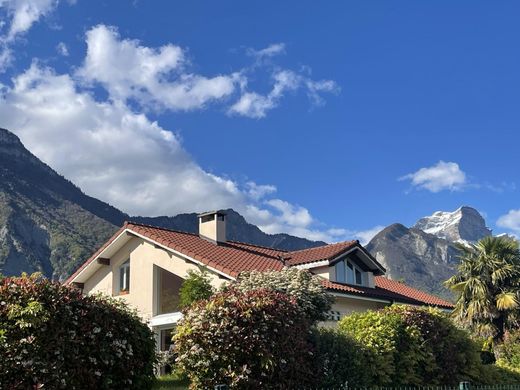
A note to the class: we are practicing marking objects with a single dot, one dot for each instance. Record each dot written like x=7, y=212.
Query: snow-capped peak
x=462, y=225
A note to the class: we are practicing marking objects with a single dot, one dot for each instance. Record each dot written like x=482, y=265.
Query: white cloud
x=62, y=49
x=131, y=162
x=128, y=160
x=20, y=16
x=109, y=151
x=441, y=176
x=254, y=105
x=258, y=192
x=510, y=221
x=270, y=51
x=364, y=236
x=154, y=77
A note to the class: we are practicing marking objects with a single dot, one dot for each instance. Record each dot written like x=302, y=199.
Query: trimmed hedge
x=245, y=339
x=52, y=336
x=339, y=360
x=417, y=346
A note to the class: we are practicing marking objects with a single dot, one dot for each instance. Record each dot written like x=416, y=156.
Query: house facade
x=146, y=265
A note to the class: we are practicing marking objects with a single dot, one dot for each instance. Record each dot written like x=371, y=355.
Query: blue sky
x=322, y=119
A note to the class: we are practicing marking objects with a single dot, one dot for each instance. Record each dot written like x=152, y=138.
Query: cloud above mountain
x=18, y=16
x=510, y=221
x=438, y=177
x=118, y=154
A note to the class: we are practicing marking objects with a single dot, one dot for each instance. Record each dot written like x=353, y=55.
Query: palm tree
x=488, y=286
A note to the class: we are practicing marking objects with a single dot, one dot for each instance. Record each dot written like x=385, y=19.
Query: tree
x=247, y=340
x=51, y=336
x=303, y=286
x=488, y=284
x=196, y=287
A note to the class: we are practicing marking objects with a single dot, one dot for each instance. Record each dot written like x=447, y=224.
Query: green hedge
x=339, y=360
x=417, y=346
x=53, y=337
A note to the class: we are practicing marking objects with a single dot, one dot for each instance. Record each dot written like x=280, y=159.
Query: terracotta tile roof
x=403, y=289
x=232, y=257
x=324, y=252
x=391, y=290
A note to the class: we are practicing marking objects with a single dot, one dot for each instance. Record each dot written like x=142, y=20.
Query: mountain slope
x=48, y=224
x=425, y=255
x=422, y=260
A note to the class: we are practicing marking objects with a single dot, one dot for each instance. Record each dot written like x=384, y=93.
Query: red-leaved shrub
x=53, y=337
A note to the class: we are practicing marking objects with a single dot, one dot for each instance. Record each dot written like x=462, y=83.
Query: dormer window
x=348, y=272
x=124, y=277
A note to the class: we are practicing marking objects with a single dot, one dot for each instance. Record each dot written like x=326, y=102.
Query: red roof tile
x=390, y=290
x=404, y=290
x=232, y=257
x=324, y=252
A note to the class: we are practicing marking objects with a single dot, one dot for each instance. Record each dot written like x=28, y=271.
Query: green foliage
x=413, y=346
x=170, y=382
x=53, y=337
x=339, y=360
x=396, y=353
x=245, y=339
x=301, y=285
x=196, y=287
x=508, y=351
x=488, y=287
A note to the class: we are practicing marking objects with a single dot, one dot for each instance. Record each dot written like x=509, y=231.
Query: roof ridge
x=197, y=235
x=159, y=227
x=350, y=242
x=259, y=246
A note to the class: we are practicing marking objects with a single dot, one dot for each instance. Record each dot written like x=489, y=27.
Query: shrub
x=414, y=346
x=452, y=354
x=396, y=353
x=339, y=359
x=304, y=287
x=508, y=352
x=245, y=339
x=195, y=287
x=52, y=336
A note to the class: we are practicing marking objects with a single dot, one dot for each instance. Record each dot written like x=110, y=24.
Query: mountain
x=425, y=255
x=48, y=224
x=462, y=225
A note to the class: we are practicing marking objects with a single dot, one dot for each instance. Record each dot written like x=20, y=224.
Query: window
x=207, y=218
x=124, y=277
x=359, y=279
x=340, y=272
x=348, y=272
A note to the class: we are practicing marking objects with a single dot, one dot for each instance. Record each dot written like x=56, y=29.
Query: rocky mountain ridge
x=426, y=254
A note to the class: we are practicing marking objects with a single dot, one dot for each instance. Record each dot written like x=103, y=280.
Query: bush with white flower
x=53, y=337
x=247, y=340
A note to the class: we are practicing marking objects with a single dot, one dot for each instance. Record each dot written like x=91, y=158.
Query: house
x=146, y=265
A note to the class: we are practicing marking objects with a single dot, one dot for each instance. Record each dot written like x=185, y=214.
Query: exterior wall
x=144, y=257
x=346, y=305
x=324, y=271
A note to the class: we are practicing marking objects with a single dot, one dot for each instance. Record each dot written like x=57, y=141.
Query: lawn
x=170, y=382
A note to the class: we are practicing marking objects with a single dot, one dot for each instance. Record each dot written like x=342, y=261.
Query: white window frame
x=346, y=277
x=124, y=277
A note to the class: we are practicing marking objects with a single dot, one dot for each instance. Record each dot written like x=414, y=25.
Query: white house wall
x=143, y=257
